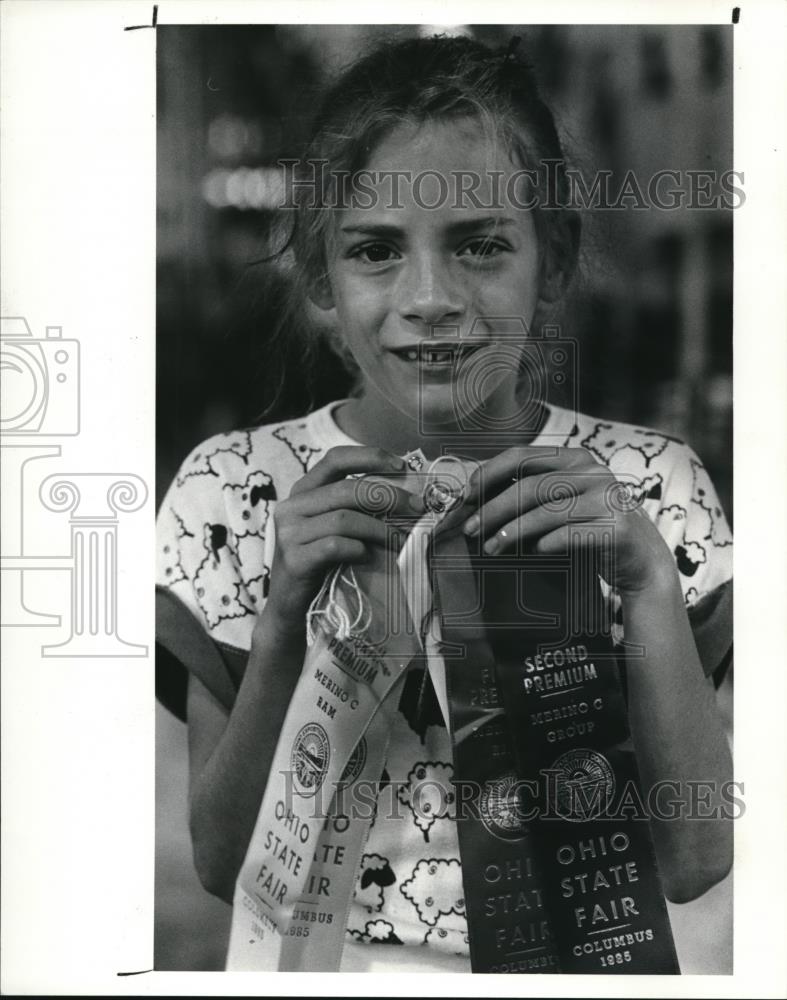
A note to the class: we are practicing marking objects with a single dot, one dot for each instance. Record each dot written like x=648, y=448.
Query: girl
x=424, y=235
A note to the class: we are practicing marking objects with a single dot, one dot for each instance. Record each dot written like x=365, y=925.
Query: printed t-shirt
x=214, y=554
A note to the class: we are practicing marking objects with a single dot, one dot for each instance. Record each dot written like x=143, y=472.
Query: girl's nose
x=429, y=295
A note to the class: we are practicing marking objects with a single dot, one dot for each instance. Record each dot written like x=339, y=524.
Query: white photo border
x=78, y=252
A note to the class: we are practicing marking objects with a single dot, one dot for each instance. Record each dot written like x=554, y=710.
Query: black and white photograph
x=374, y=243
x=368, y=535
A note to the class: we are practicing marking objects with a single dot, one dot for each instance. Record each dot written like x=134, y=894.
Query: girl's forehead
x=442, y=146
x=434, y=173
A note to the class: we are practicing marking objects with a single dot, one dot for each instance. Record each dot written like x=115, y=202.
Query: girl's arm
x=679, y=737
x=230, y=754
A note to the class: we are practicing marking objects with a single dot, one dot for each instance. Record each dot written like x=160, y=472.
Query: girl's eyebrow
x=458, y=228
x=473, y=225
x=374, y=229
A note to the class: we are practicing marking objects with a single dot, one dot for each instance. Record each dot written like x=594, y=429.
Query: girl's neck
x=373, y=420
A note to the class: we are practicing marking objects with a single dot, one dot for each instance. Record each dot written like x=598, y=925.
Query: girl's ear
x=561, y=254
x=321, y=293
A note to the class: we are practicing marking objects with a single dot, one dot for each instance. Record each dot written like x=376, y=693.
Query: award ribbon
x=508, y=924
x=295, y=886
x=508, y=929
x=555, y=671
x=300, y=865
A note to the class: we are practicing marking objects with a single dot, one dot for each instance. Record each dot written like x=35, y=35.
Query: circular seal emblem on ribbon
x=500, y=809
x=355, y=764
x=309, y=759
x=584, y=784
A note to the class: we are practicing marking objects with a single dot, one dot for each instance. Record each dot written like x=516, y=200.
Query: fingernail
x=492, y=545
x=472, y=524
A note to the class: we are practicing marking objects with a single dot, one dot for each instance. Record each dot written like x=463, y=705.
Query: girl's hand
x=329, y=519
x=545, y=489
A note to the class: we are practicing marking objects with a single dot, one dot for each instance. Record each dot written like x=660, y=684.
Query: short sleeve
x=677, y=494
x=692, y=522
x=210, y=575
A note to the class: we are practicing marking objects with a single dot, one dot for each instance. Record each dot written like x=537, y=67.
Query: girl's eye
x=483, y=247
x=375, y=253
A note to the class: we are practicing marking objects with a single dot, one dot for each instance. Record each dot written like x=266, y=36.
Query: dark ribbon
x=554, y=881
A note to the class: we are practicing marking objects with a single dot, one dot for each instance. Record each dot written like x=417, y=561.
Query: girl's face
x=433, y=302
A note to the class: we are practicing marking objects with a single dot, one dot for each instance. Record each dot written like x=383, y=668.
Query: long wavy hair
x=410, y=82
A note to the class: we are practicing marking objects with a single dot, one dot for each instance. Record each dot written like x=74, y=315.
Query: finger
x=374, y=496
x=347, y=524
x=528, y=531
x=345, y=460
x=524, y=461
x=334, y=549
x=553, y=490
x=557, y=541
x=521, y=531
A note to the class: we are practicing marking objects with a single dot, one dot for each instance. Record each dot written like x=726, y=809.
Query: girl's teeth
x=412, y=355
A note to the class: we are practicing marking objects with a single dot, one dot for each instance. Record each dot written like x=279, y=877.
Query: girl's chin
x=439, y=407
x=435, y=407
x=438, y=415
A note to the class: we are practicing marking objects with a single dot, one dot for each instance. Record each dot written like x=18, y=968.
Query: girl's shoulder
x=661, y=468
x=215, y=544
x=669, y=480
x=270, y=457
x=619, y=444
x=664, y=473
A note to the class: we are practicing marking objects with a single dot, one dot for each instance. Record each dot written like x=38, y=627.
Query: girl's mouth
x=431, y=356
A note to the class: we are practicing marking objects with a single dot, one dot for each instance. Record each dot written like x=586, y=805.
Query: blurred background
x=651, y=310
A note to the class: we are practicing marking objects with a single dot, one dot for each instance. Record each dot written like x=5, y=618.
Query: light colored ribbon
x=294, y=889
